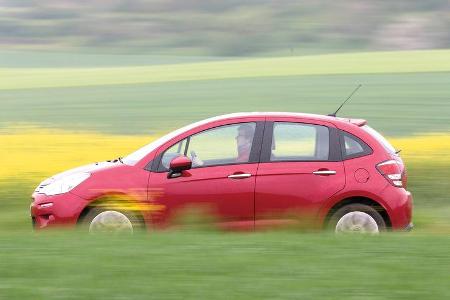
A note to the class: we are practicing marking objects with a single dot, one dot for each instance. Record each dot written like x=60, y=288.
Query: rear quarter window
x=353, y=147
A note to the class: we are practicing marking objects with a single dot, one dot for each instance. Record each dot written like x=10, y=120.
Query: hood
x=91, y=168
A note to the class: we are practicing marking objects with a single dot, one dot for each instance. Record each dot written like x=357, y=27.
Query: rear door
x=300, y=169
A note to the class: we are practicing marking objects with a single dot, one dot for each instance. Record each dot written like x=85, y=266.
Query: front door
x=221, y=182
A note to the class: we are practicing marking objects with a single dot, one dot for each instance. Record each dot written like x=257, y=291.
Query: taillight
x=393, y=171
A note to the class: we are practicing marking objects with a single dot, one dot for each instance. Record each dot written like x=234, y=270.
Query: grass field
x=208, y=265
x=157, y=98
x=58, y=114
x=331, y=64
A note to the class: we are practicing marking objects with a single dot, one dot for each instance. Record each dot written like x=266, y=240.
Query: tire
x=104, y=220
x=357, y=218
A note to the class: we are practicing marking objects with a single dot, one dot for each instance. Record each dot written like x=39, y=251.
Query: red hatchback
x=248, y=171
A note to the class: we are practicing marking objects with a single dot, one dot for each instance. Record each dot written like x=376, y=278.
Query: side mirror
x=178, y=165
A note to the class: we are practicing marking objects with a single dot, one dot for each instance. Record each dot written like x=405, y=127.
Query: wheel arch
x=359, y=200
x=118, y=201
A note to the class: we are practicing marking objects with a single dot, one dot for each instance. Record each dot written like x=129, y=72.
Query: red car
x=247, y=171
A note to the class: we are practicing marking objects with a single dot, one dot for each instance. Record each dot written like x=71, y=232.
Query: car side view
x=248, y=171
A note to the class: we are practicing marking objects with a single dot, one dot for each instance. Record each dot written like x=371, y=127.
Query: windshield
x=132, y=158
x=380, y=138
x=139, y=154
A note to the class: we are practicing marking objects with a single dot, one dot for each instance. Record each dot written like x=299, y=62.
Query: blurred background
x=84, y=81
x=224, y=28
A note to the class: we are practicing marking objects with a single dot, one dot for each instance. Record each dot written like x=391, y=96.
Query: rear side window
x=353, y=146
x=299, y=142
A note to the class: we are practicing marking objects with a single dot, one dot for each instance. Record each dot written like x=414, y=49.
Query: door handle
x=324, y=172
x=239, y=176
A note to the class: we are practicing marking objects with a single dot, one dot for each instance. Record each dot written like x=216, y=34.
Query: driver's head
x=245, y=135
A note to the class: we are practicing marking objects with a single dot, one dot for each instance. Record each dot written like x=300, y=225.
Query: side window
x=300, y=142
x=174, y=151
x=228, y=144
x=354, y=147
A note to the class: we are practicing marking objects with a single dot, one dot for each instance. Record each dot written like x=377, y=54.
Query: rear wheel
x=357, y=218
x=111, y=221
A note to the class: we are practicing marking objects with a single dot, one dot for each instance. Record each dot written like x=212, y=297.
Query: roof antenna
x=354, y=91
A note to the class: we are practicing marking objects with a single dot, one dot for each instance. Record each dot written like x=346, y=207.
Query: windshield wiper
x=119, y=159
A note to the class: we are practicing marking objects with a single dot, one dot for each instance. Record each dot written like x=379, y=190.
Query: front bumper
x=56, y=211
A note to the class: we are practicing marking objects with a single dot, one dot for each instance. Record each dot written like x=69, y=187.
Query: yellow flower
x=34, y=153
x=431, y=148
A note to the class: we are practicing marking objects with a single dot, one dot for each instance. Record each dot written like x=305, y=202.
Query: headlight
x=65, y=184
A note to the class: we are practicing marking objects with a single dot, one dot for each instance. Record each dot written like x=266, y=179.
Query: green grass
x=396, y=104
x=403, y=92
x=210, y=265
x=331, y=64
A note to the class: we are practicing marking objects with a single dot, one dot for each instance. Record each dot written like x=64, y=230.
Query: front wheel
x=357, y=218
x=111, y=221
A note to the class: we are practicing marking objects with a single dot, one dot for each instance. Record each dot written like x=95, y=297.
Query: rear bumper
x=400, y=206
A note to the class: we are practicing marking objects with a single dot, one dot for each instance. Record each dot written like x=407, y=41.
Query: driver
x=244, y=141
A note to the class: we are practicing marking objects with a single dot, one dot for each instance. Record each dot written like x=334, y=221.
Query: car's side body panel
x=290, y=193
x=206, y=193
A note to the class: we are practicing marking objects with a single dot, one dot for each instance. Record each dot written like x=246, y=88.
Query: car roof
x=358, y=122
